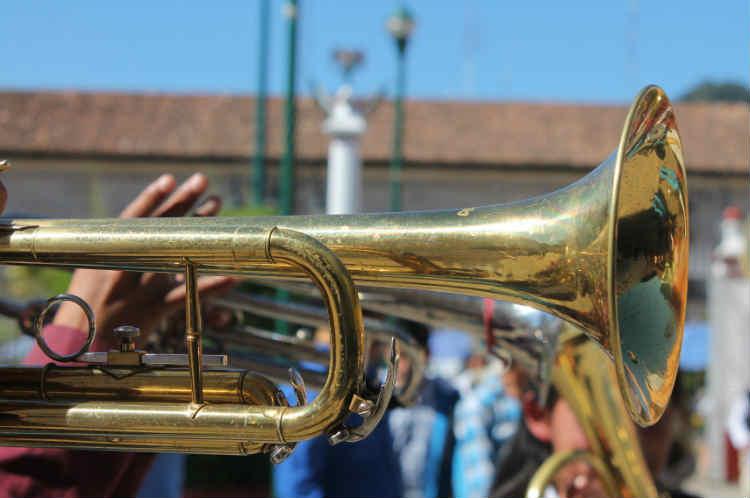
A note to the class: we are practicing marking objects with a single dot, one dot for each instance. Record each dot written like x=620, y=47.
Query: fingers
x=217, y=317
x=207, y=286
x=183, y=199
x=149, y=198
x=210, y=207
x=151, y=203
x=216, y=285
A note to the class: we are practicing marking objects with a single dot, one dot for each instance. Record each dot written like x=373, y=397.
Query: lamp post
x=286, y=169
x=259, y=159
x=399, y=25
x=286, y=173
x=347, y=61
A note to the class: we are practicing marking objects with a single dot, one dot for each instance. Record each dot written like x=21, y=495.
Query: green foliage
x=8, y=330
x=24, y=282
x=709, y=91
x=249, y=211
x=29, y=282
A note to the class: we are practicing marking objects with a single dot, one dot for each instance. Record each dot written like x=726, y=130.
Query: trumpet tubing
x=58, y=383
x=608, y=253
x=153, y=444
x=376, y=330
x=156, y=409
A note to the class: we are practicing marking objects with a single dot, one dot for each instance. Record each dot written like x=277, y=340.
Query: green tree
x=711, y=91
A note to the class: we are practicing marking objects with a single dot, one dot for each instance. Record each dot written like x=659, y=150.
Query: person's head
x=516, y=382
x=322, y=336
x=555, y=423
x=420, y=333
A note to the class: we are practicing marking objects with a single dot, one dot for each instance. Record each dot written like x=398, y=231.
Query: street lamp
x=259, y=159
x=399, y=25
x=348, y=60
x=286, y=169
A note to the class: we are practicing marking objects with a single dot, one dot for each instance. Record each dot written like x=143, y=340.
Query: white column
x=728, y=375
x=345, y=125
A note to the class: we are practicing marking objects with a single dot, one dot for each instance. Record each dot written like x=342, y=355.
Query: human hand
x=140, y=299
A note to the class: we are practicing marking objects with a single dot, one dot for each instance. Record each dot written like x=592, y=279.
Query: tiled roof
x=715, y=135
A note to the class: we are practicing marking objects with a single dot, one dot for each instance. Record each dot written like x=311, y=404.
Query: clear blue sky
x=473, y=49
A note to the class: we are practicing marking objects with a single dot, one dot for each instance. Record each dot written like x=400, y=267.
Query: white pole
x=345, y=125
x=728, y=375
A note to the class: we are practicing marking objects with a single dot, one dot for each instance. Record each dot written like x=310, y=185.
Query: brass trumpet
x=513, y=333
x=608, y=253
x=269, y=343
x=128, y=399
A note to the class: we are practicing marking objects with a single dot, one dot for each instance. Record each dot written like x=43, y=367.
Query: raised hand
x=141, y=299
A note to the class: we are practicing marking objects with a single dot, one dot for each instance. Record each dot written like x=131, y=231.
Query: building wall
x=81, y=188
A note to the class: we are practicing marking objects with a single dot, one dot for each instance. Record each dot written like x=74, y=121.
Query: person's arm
x=116, y=298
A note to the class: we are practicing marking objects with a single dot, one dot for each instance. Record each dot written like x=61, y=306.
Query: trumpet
x=128, y=399
x=553, y=354
x=513, y=333
x=377, y=331
x=608, y=253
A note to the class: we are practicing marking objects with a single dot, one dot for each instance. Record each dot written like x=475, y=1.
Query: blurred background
x=406, y=106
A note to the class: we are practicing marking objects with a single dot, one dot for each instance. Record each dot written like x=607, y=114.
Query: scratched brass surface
x=57, y=383
x=608, y=253
x=149, y=444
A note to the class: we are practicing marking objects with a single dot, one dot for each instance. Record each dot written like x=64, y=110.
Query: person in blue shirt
x=409, y=454
x=315, y=469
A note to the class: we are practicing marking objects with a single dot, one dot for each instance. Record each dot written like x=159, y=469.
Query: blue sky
x=600, y=51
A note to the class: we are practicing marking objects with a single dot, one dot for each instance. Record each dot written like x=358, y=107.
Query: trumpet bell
x=647, y=273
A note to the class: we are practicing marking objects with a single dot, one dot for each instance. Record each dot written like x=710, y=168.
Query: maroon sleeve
x=50, y=472
x=63, y=340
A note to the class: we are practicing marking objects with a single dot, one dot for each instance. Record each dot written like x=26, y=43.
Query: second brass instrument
x=583, y=379
x=377, y=331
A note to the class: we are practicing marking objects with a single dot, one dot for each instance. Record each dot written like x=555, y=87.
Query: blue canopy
x=695, y=346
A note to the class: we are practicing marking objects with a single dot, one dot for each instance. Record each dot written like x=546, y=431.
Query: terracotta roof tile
x=221, y=126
